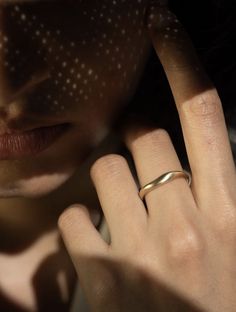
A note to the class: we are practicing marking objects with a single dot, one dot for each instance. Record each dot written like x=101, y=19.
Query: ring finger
x=154, y=155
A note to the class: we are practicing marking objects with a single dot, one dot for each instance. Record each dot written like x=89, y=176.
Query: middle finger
x=199, y=106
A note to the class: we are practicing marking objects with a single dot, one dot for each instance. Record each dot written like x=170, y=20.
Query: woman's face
x=75, y=62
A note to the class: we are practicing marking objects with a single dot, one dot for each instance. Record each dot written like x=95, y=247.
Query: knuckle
x=185, y=247
x=134, y=246
x=161, y=135
x=107, y=165
x=205, y=107
x=152, y=138
x=225, y=227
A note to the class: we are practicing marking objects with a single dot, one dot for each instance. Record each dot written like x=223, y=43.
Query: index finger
x=199, y=106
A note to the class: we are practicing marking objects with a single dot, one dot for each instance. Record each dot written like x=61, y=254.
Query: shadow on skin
x=121, y=287
x=45, y=284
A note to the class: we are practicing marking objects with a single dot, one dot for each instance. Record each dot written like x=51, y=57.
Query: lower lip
x=15, y=146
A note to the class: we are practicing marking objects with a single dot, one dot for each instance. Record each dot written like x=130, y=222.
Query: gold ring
x=163, y=179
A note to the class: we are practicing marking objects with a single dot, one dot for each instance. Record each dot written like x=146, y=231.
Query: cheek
x=81, y=70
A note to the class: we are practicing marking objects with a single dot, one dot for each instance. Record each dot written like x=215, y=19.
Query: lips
x=28, y=143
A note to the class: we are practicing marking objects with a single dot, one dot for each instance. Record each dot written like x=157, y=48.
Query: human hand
x=177, y=253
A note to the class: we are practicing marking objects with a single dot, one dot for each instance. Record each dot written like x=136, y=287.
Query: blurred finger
x=80, y=236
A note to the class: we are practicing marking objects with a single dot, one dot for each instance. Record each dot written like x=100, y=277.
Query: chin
x=35, y=187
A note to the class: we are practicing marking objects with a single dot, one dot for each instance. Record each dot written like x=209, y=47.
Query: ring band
x=163, y=179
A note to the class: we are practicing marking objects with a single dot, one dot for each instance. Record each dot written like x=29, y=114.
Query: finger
x=197, y=101
x=154, y=155
x=80, y=235
x=118, y=194
x=86, y=248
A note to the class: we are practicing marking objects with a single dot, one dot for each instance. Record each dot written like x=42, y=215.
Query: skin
x=66, y=80
x=177, y=252
x=76, y=63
